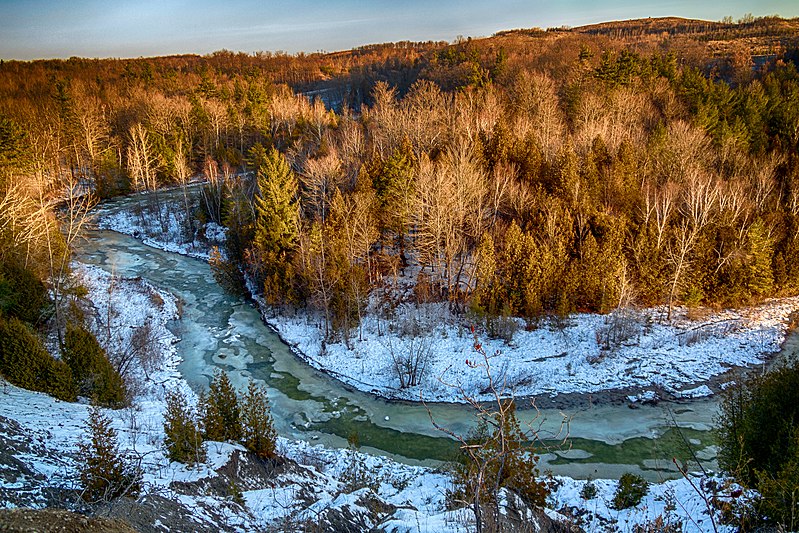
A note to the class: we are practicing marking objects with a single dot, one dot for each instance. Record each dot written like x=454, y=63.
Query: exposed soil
x=58, y=520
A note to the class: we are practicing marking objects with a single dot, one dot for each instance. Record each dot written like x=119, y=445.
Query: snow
x=549, y=359
x=699, y=392
x=677, y=502
x=165, y=231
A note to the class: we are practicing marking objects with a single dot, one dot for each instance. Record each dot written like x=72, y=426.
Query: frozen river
x=218, y=330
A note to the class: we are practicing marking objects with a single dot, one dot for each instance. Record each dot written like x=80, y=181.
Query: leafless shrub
x=620, y=326
x=411, y=350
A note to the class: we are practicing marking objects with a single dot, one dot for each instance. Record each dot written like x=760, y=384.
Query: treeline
x=633, y=181
x=522, y=176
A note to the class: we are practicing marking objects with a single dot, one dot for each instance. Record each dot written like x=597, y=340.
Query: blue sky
x=121, y=28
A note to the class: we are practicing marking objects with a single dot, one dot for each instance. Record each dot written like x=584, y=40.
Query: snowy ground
x=335, y=479
x=584, y=353
x=549, y=359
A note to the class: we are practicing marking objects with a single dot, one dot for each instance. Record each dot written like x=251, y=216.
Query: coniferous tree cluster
x=25, y=362
x=758, y=437
x=223, y=416
x=93, y=374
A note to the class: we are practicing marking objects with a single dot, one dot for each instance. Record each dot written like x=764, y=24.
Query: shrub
x=779, y=494
x=499, y=453
x=758, y=436
x=183, y=439
x=92, y=372
x=105, y=473
x=589, y=491
x=763, y=406
x=226, y=274
x=258, y=432
x=25, y=363
x=631, y=490
x=22, y=294
x=220, y=410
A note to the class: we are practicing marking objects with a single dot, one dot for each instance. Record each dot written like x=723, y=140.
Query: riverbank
x=632, y=356
x=44, y=433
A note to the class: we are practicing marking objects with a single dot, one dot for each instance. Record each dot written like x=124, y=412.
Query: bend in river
x=220, y=331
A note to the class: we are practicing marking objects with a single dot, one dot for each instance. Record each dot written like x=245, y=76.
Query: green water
x=220, y=331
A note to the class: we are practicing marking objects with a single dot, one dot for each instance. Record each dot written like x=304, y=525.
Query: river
x=218, y=330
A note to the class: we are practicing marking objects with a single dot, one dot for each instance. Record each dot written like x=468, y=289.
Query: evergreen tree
x=105, y=472
x=758, y=436
x=485, y=294
x=92, y=372
x=183, y=438
x=25, y=363
x=259, y=435
x=394, y=185
x=761, y=278
x=221, y=415
x=276, y=226
x=22, y=294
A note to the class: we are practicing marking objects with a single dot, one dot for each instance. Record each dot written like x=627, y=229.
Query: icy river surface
x=218, y=330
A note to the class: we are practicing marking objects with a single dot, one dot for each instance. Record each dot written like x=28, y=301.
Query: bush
x=589, y=490
x=183, y=439
x=500, y=453
x=779, y=494
x=758, y=436
x=259, y=435
x=226, y=274
x=22, y=294
x=757, y=424
x=92, y=372
x=105, y=473
x=25, y=363
x=631, y=490
x=220, y=410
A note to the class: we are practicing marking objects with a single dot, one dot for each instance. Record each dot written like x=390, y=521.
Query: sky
x=35, y=29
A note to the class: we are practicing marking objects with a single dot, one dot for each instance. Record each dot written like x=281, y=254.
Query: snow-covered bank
x=584, y=353
x=569, y=357
x=330, y=480
x=169, y=231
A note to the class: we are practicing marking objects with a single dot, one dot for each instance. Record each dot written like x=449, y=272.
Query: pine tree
x=259, y=434
x=221, y=415
x=760, y=276
x=183, y=439
x=92, y=372
x=394, y=186
x=105, y=472
x=25, y=363
x=276, y=226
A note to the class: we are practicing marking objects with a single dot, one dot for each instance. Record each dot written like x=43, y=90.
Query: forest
x=534, y=173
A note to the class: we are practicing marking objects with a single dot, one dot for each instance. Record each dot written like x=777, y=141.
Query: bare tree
x=450, y=215
x=501, y=454
x=320, y=178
